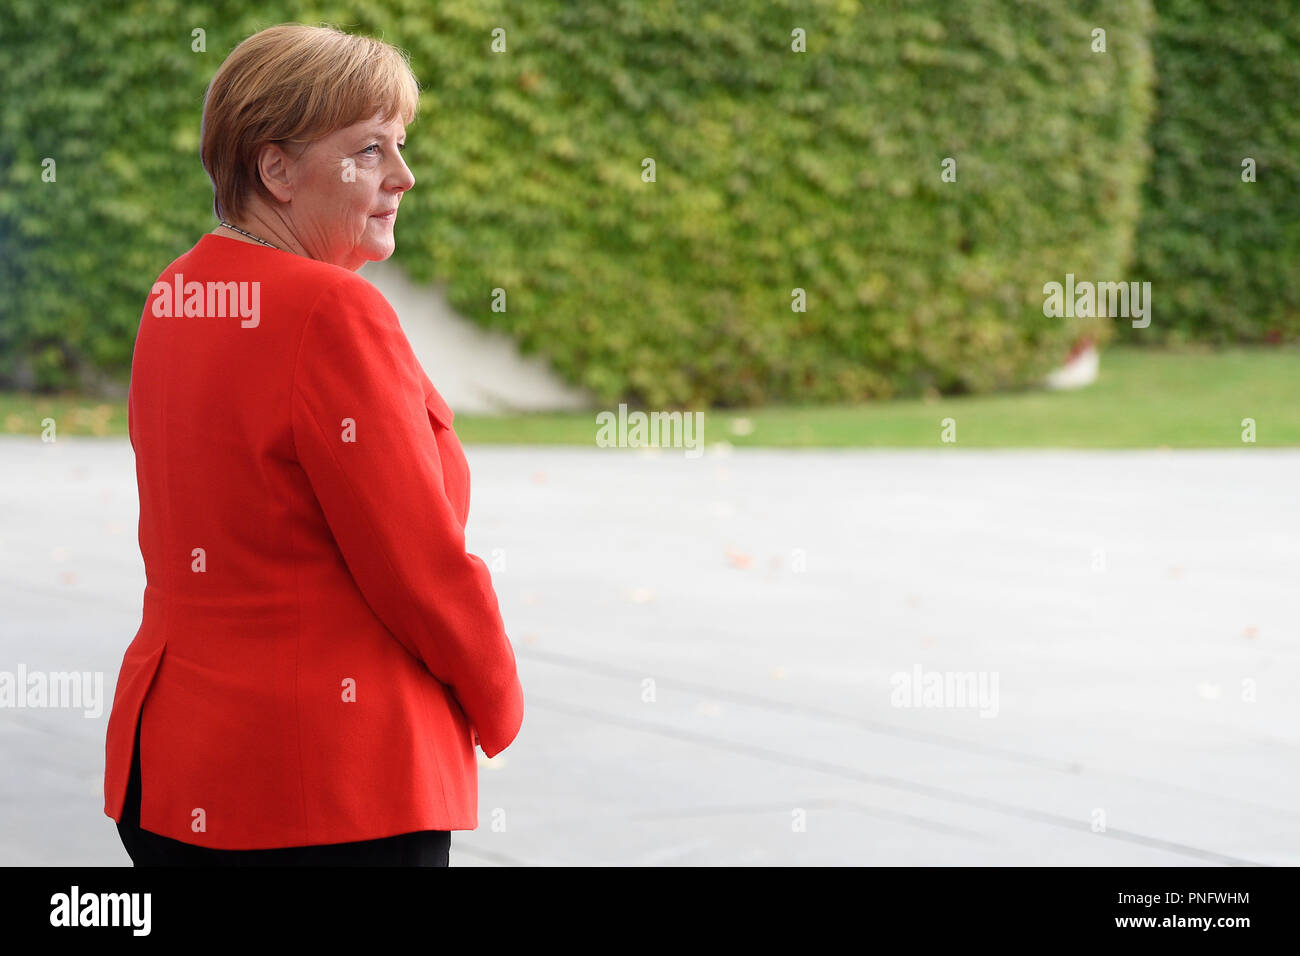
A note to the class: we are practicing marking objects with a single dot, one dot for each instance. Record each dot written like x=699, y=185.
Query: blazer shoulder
x=321, y=276
x=343, y=296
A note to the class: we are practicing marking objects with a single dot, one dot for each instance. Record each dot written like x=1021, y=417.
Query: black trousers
x=421, y=848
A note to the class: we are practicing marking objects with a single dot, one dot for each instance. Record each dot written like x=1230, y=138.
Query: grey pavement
x=709, y=647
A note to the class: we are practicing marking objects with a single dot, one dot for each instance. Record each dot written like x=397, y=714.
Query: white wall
x=475, y=370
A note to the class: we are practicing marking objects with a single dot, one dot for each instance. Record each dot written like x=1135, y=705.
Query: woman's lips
x=386, y=216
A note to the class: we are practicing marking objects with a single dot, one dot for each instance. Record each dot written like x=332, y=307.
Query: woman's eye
x=370, y=147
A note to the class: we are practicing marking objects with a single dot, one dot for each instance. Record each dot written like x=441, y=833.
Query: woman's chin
x=378, y=249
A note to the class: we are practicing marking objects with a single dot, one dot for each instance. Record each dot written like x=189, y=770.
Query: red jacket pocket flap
x=438, y=408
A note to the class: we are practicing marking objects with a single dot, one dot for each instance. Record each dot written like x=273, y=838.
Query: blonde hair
x=294, y=82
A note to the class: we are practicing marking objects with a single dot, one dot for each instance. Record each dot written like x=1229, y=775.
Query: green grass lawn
x=1143, y=399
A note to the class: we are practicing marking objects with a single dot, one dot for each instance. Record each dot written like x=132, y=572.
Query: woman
x=318, y=655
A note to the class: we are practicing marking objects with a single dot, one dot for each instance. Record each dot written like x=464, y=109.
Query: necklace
x=249, y=235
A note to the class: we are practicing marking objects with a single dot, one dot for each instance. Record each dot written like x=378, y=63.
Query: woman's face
x=344, y=189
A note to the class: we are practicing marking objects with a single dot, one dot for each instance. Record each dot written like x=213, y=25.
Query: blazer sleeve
x=364, y=438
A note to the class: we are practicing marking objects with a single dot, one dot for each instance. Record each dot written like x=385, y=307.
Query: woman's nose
x=405, y=179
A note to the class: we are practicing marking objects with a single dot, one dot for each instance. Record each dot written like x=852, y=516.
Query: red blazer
x=318, y=653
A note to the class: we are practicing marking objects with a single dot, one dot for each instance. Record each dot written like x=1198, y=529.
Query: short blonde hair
x=294, y=82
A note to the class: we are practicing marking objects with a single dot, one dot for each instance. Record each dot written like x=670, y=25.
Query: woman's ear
x=274, y=166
